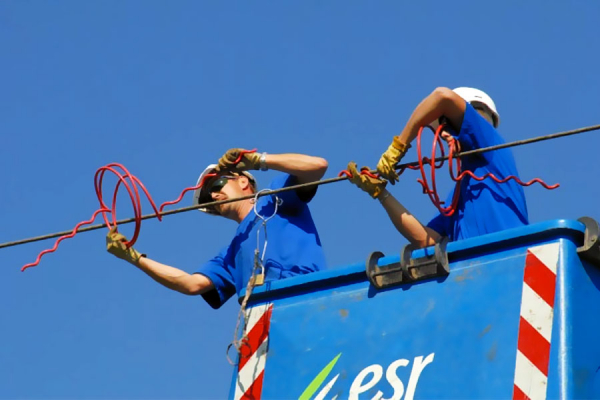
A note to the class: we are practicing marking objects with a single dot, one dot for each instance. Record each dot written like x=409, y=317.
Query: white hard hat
x=210, y=169
x=476, y=96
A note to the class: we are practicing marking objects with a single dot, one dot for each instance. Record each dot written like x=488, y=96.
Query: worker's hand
x=247, y=161
x=373, y=186
x=115, y=245
x=389, y=159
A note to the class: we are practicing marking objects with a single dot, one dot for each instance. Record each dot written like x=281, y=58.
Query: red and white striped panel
x=535, y=326
x=253, y=356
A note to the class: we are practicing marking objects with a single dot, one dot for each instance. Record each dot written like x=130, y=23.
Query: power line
x=303, y=185
x=512, y=144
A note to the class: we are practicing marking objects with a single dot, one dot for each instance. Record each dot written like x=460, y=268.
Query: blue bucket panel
x=333, y=334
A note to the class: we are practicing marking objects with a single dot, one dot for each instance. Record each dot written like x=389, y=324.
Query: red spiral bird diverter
x=452, y=157
x=133, y=185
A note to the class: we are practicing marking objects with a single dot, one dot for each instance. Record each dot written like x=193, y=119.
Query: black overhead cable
x=302, y=185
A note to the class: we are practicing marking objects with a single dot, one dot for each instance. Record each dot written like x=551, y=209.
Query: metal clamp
x=590, y=250
x=408, y=269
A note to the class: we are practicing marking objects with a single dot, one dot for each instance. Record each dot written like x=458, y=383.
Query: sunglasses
x=219, y=183
x=213, y=187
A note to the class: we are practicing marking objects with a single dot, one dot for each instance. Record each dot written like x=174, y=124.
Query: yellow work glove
x=389, y=159
x=248, y=161
x=373, y=186
x=115, y=245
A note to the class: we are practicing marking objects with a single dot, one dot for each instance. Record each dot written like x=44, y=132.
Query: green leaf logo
x=319, y=379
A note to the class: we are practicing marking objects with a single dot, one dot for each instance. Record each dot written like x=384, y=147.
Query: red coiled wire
x=432, y=191
x=131, y=183
x=363, y=171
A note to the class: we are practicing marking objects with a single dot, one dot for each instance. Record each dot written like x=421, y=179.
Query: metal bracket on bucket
x=408, y=269
x=590, y=250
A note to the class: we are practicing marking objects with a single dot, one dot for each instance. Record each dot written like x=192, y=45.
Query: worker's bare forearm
x=305, y=168
x=410, y=227
x=174, y=278
x=441, y=102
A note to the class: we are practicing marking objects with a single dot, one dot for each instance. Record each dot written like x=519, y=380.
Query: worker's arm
x=174, y=278
x=441, y=102
x=167, y=276
x=410, y=227
x=304, y=168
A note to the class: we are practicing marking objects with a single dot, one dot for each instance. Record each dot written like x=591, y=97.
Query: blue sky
x=166, y=87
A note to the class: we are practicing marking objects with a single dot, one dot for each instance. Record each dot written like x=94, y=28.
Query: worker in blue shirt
x=293, y=247
x=483, y=207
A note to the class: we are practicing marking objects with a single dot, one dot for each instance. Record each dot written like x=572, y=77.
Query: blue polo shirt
x=293, y=248
x=486, y=206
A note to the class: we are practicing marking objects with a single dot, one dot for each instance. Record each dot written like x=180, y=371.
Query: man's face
x=221, y=187
x=447, y=136
x=483, y=111
x=225, y=186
